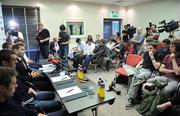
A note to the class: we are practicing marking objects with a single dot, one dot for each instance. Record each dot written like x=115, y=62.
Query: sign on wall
x=2, y=30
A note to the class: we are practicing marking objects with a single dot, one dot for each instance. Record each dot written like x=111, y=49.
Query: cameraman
x=153, y=32
x=14, y=33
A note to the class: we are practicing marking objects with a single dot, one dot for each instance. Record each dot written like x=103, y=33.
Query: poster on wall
x=76, y=28
x=2, y=30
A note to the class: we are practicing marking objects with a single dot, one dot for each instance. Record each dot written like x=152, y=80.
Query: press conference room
x=89, y=58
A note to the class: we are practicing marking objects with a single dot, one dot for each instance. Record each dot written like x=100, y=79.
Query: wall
x=54, y=13
x=156, y=11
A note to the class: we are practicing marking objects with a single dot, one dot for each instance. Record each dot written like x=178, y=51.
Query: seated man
x=117, y=50
x=8, y=86
x=110, y=43
x=88, y=52
x=24, y=94
x=30, y=63
x=78, y=53
x=54, y=46
x=99, y=52
x=170, y=69
x=7, y=45
x=26, y=74
x=165, y=50
x=149, y=63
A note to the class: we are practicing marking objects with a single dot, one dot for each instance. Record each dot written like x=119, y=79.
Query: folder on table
x=69, y=91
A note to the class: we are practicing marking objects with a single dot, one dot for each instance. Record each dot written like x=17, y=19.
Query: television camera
x=168, y=27
x=130, y=30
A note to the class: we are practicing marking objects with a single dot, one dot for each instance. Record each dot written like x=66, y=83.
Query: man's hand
x=172, y=56
x=40, y=114
x=32, y=91
x=35, y=74
x=151, y=55
x=41, y=41
x=29, y=62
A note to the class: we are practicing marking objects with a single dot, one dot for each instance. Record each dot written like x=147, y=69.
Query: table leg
x=95, y=111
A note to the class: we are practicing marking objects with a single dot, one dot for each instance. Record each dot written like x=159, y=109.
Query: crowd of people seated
x=32, y=92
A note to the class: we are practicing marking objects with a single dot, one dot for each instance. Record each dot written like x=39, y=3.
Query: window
x=28, y=19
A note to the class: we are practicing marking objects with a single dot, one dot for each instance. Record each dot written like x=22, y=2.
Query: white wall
x=53, y=13
x=156, y=11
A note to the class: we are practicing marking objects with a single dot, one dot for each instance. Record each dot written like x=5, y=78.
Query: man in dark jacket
x=8, y=86
x=26, y=74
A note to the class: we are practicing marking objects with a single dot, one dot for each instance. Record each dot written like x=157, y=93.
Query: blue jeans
x=45, y=100
x=64, y=50
x=44, y=49
x=87, y=60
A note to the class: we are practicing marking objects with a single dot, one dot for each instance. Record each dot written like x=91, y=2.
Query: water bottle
x=99, y=81
x=102, y=90
x=80, y=73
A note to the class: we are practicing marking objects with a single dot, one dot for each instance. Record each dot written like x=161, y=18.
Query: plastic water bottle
x=102, y=89
x=99, y=81
x=80, y=73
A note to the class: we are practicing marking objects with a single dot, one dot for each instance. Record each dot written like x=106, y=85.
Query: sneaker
x=129, y=105
x=160, y=109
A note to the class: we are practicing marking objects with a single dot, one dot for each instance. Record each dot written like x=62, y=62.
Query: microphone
x=56, y=61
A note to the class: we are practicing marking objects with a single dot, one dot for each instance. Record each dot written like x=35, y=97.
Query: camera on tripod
x=168, y=27
x=12, y=28
x=130, y=30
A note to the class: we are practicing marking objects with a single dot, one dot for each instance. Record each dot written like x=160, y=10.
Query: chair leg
x=95, y=68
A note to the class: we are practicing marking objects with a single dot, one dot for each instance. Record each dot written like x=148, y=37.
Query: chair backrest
x=133, y=59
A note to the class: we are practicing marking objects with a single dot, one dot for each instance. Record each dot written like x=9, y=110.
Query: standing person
x=14, y=34
x=138, y=40
x=64, y=40
x=43, y=39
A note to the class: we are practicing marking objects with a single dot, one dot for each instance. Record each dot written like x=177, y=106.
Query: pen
x=69, y=90
x=64, y=78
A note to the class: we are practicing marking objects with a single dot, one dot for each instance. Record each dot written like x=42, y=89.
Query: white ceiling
x=115, y=2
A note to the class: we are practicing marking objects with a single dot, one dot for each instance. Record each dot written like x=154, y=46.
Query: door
x=111, y=27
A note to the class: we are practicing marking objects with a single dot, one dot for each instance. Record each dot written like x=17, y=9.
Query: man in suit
x=8, y=86
x=26, y=74
x=27, y=97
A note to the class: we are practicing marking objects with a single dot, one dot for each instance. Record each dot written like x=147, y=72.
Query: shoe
x=84, y=71
x=159, y=108
x=129, y=105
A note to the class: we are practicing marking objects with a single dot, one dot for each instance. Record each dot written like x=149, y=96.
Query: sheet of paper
x=130, y=70
x=48, y=66
x=47, y=70
x=60, y=78
x=69, y=91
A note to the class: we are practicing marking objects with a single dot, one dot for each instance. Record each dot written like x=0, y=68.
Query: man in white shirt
x=88, y=52
x=78, y=53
